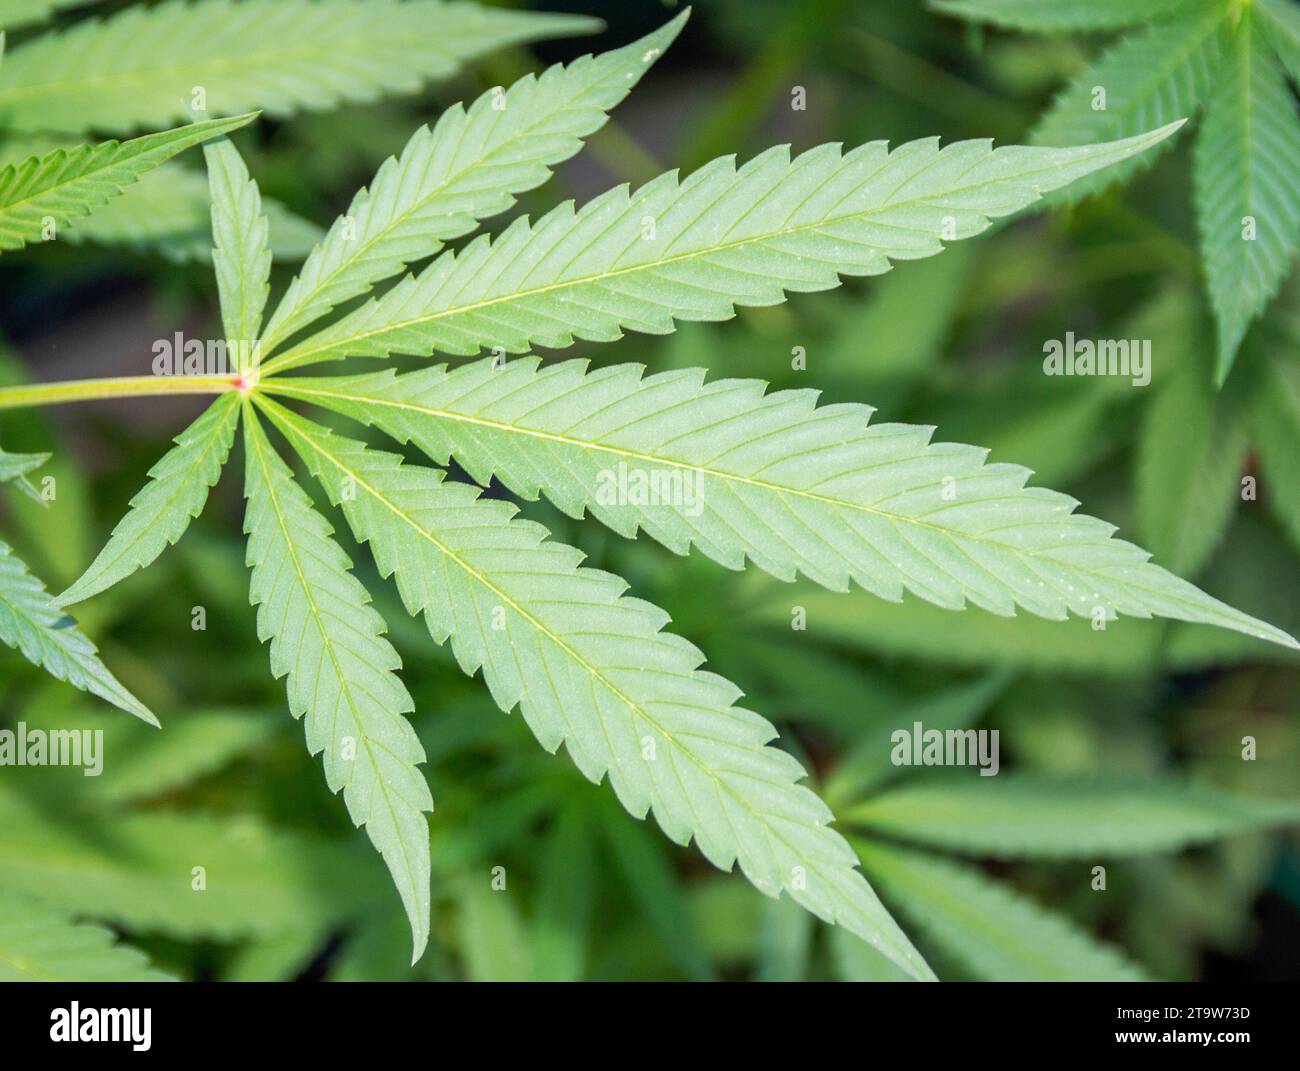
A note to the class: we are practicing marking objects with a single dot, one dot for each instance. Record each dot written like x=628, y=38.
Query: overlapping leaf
x=1279, y=20
x=143, y=66
x=694, y=249
x=468, y=167
x=1026, y=816
x=47, y=637
x=39, y=943
x=13, y=466
x=774, y=479
x=167, y=211
x=1189, y=462
x=15, y=13
x=328, y=641
x=261, y=881
x=995, y=933
x=592, y=669
x=1247, y=188
x=1160, y=73
x=64, y=185
x=1056, y=15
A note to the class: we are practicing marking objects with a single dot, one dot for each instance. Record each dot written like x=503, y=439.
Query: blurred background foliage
x=1093, y=724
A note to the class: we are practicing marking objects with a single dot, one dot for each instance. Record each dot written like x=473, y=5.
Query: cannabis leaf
x=469, y=167
x=39, y=943
x=242, y=255
x=1059, y=14
x=1276, y=412
x=1247, y=173
x=15, y=13
x=1280, y=22
x=66, y=184
x=1014, y=816
x=15, y=467
x=143, y=66
x=47, y=637
x=773, y=478
x=329, y=643
x=992, y=931
x=272, y=881
x=695, y=249
x=162, y=511
x=1247, y=159
x=593, y=670
x=1190, y=455
x=167, y=211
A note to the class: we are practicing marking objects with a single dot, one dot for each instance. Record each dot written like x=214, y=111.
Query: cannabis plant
x=146, y=67
x=721, y=466
x=1230, y=58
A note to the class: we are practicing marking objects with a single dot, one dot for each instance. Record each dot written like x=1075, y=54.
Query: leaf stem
x=84, y=390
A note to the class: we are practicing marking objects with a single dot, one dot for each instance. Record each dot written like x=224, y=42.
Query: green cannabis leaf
x=1010, y=816
x=15, y=13
x=469, y=167
x=694, y=249
x=142, y=66
x=44, y=635
x=66, y=184
x=752, y=476
x=39, y=943
x=341, y=672
x=793, y=488
x=594, y=670
x=160, y=513
x=1227, y=57
x=991, y=930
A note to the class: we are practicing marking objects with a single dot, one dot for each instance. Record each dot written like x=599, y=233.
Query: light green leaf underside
x=17, y=466
x=161, y=512
x=993, y=931
x=1013, y=816
x=592, y=669
x=1160, y=73
x=64, y=185
x=776, y=480
x=695, y=249
x=1279, y=20
x=857, y=961
x=1247, y=171
x=141, y=66
x=1191, y=453
x=241, y=254
x=1044, y=16
x=469, y=167
x=15, y=13
x=47, y=637
x=328, y=642
x=39, y=943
